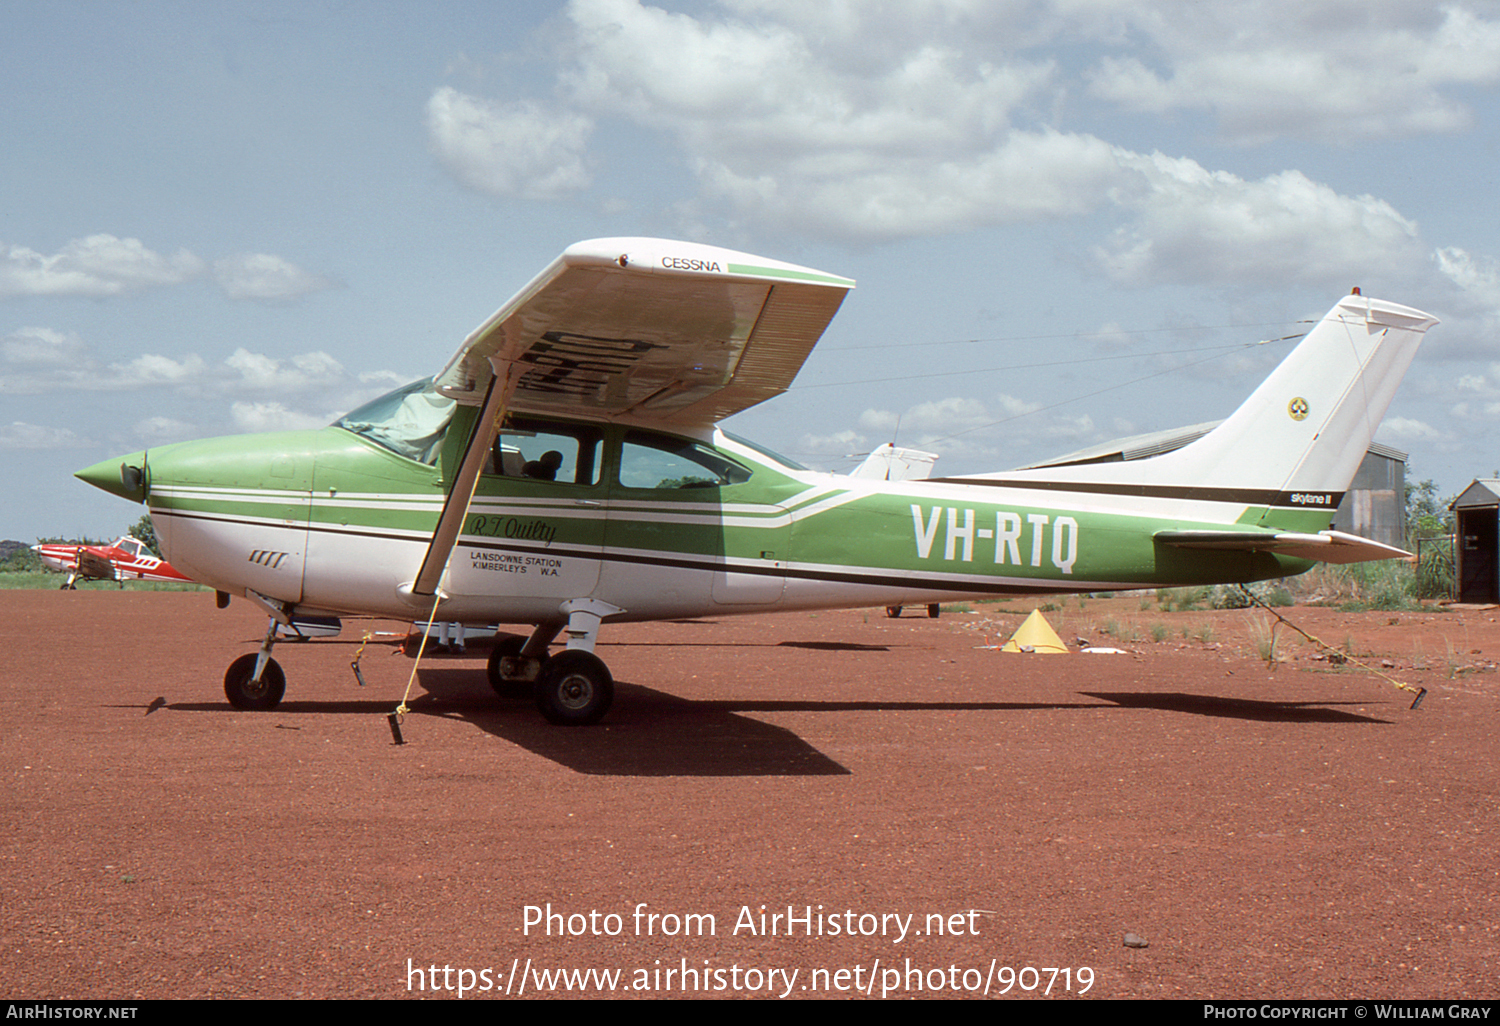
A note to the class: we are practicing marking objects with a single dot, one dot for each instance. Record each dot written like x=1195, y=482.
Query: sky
x=1069, y=220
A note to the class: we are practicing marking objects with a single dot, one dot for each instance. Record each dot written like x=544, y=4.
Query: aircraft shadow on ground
x=1236, y=708
x=653, y=733
x=647, y=733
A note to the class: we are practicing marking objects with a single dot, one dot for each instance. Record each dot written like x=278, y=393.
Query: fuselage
x=655, y=525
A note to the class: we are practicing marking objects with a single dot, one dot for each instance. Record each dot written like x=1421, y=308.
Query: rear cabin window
x=664, y=463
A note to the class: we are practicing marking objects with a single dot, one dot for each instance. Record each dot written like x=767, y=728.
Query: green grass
x=41, y=580
x=1182, y=600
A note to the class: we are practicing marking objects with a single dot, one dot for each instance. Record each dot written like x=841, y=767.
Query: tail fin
x=1294, y=445
x=1308, y=425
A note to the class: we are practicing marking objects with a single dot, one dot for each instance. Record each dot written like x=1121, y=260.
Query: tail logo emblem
x=1297, y=408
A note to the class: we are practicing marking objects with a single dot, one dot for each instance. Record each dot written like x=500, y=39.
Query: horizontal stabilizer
x=1323, y=547
x=888, y=463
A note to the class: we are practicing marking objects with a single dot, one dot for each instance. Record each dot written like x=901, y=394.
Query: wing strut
x=461, y=494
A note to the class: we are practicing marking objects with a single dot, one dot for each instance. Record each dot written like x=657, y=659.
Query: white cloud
x=51, y=361
x=839, y=445
x=1010, y=406
x=161, y=430
x=1332, y=72
x=519, y=148
x=954, y=413
x=306, y=371
x=40, y=347
x=152, y=369
x=1214, y=227
x=1407, y=429
x=811, y=131
x=273, y=416
x=765, y=88
x=961, y=429
x=19, y=435
x=874, y=122
x=1478, y=277
x=104, y=265
x=99, y=265
x=1025, y=176
x=266, y=278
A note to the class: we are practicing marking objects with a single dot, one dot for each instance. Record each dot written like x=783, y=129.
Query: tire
x=933, y=610
x=893, y=611
x=515, y=685
x=241, y=693
x=574, y=689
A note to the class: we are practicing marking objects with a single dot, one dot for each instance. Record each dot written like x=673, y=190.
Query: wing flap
x=1323, y=547
x=671, y=332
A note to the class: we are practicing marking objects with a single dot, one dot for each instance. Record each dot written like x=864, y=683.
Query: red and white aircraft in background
x=124, y=559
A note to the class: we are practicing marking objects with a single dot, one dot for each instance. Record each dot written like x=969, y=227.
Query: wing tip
x=669, y=256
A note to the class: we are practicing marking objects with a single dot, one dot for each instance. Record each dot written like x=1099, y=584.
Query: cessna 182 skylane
x=564, y=470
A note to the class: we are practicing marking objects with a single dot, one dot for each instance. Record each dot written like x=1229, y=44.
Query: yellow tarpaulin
x=1035, y=635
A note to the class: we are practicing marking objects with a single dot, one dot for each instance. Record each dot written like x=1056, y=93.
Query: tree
x=1428, y=518
x=1427, y=515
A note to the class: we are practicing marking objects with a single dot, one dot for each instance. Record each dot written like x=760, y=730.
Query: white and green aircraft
x=564, y=471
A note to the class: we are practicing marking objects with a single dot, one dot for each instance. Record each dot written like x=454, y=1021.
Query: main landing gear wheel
x=243, y=693
x=507, y=671
x=574, y=688
x=933, y=609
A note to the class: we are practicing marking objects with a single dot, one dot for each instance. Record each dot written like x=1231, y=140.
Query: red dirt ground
x=1296, y=833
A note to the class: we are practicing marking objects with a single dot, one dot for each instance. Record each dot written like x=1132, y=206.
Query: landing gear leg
x=574, y=687
x=516, y=662
x=255, y=681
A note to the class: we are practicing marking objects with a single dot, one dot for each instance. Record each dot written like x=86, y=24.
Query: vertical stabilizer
x=1299, y=438
x=1308, y=425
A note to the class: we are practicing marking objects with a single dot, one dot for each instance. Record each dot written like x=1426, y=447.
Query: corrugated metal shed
x=1374, y=507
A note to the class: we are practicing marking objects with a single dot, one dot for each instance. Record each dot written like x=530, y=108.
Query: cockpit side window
x=540, y=451
x=663, y=462
x=410, y=422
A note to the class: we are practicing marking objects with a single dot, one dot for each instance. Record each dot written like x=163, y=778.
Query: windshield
x=410, y=422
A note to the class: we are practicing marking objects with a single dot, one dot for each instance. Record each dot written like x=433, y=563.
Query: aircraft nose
x=124, y=476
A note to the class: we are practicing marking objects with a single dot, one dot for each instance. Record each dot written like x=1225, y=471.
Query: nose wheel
x=245, y=691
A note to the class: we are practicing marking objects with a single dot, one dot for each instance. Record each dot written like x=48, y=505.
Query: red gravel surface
x=1286, y=833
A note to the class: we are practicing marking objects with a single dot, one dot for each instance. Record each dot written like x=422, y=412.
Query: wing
x=675, y=333
x=1323, y=547
x=94, y=567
